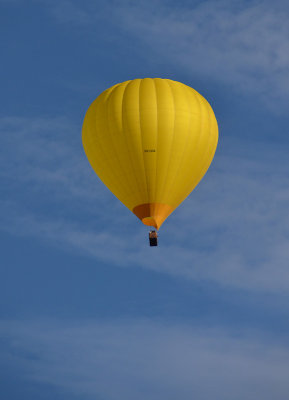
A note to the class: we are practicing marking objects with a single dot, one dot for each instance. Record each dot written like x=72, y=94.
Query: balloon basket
x=153, y=238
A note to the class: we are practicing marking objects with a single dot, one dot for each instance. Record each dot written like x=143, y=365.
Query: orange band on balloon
x=153, y=214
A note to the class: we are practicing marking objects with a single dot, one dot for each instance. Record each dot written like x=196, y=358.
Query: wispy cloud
x=243, y=46
x=147, y=360
x=233, y=230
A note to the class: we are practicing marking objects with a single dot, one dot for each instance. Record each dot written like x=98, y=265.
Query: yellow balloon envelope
x=150, y=141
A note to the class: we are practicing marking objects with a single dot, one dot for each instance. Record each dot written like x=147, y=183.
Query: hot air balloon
x=150, y=141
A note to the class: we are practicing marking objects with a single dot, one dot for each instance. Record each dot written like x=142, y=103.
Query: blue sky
x=88, y=310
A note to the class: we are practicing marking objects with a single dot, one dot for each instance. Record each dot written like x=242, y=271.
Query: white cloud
x=147, y=360
x=243, y=46
x=232, y=231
